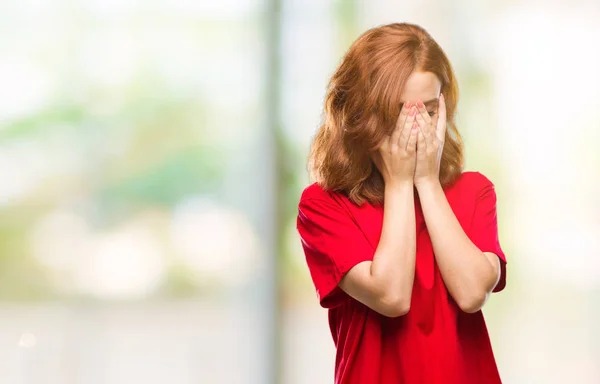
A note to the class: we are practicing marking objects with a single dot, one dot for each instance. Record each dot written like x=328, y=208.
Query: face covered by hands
x=430, y=142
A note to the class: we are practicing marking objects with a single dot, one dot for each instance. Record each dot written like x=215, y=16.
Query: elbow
x=394, y=306
x=472, y=303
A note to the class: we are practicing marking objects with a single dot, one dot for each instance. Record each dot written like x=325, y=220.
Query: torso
x=435, y=342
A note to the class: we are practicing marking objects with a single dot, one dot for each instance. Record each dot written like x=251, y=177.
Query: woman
x=401, y=244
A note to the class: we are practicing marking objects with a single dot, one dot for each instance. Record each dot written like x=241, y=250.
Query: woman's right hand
x=396, y=156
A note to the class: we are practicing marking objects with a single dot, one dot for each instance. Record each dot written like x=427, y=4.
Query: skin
x=409, y=160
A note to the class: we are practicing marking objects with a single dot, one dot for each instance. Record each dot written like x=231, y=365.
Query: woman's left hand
x=430, y=143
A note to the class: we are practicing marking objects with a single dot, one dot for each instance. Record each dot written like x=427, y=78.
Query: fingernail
x=420, y=103
x=407, y=104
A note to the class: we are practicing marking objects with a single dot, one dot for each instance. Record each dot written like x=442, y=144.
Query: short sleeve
x=333, y=244
x=484, y=228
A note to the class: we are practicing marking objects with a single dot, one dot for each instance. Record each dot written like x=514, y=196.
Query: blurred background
x=152, y=154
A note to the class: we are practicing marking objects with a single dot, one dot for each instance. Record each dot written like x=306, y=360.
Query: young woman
x=401, y=244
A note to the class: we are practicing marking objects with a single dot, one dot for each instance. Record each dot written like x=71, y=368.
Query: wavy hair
x=362, y=105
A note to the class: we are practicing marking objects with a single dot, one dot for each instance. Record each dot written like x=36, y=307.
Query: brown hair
x=362, y=105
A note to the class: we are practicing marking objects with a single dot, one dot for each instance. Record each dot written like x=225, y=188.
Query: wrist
x=427, y=183
x=400, y=185
x=399, y=191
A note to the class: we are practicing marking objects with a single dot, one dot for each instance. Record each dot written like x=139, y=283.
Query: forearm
x=393, y=265
x=468, y=274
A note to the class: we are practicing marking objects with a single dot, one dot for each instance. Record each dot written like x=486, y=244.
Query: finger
x=423, y=112
x=440, y=130
x=421, y=142
x=426, y=129
x=408, y=123
x=400, y=123
x=411, y=145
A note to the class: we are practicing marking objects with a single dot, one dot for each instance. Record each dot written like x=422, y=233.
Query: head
x=383, y=68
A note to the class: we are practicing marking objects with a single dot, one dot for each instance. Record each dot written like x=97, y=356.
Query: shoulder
x=469, y=188
x=473, y=179
x=471, y=182
x=316, y=193
x=319, y=204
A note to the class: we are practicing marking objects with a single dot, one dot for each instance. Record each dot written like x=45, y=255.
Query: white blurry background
x=152, y=154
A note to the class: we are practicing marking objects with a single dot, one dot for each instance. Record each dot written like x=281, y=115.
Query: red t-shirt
x=435, y=342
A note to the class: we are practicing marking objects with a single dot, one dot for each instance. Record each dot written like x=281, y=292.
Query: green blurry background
x=152, y=154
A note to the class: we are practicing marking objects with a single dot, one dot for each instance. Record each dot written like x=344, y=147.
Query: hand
x=430, y=143
x=396, y=155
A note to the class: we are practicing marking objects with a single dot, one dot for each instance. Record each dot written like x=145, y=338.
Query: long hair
x=362, y=105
